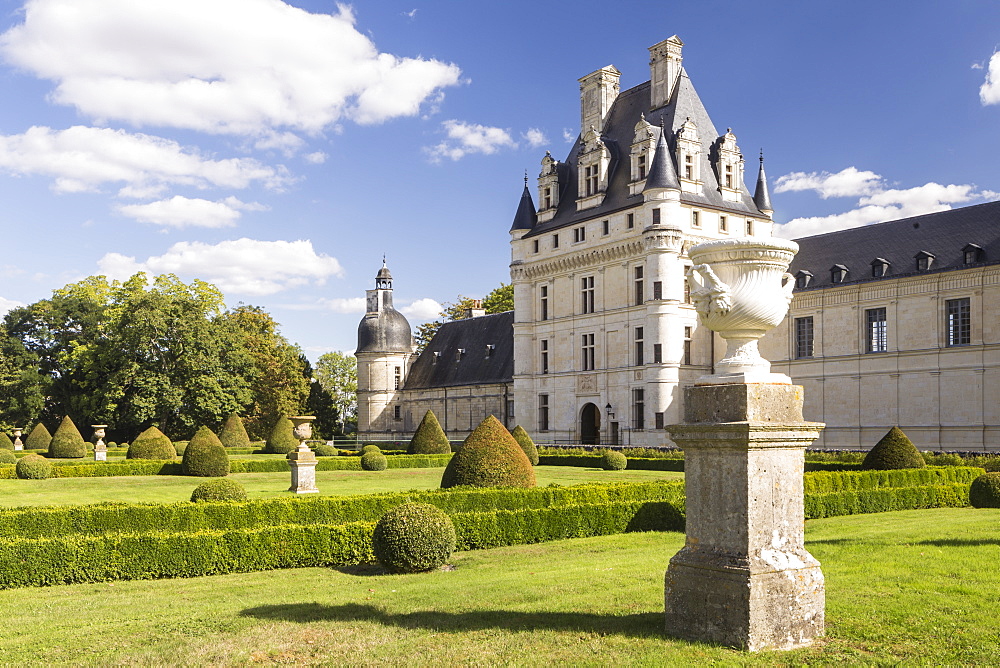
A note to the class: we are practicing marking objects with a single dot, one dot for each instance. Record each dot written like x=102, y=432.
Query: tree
x=500, y=299
x=22, y=387
x=337, y=373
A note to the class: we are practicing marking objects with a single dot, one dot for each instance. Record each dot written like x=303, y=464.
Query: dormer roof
x=526, y=217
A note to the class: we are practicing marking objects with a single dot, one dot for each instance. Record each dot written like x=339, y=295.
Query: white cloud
x=465, y=138
x=535, y=137
x=8, y=304
x=186, y=212
x=83, y=159
x=242, y=266
x=316, y=158
x=989, y=92
x=422, y=309
x=410, y=14
x=222, y=66
x=848, y=182
x=346, y=304
x=568, y=136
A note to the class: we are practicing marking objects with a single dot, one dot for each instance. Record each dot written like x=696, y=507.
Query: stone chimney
x=664, y=68
x=598, y=91
x=476, y=310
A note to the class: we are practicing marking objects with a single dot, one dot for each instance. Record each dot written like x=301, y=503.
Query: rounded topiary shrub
x=234, y=434
x=5, y=442
x=282, y=439
x=324, y=450
x=33, y=467
x=7, y=456
x=67, y=443
x=179, y=447
x=38, y=438
x=413, y=538
x=429, y=439
x=489, y=457
x=893, y=451
x=374, y=461
x=522, y=438
x=985, y=491
x=223, y=489
x=151, y=444
x=371, y=447
x=613, y=461
x=205, y=455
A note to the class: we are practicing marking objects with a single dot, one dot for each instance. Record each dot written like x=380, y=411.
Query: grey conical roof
x=762, y=196
x=525, y=218
x=662, y=175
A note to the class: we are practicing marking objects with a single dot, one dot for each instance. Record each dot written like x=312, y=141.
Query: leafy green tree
x=500, y=299
x=22, y=387
x=337, y=374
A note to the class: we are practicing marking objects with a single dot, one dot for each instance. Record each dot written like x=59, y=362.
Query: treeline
x=152, y=352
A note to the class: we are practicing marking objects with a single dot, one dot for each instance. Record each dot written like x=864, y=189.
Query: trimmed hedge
x=222, y=489
x=324, y=450
x=524, y=440
x=429, y=438
x=233, y=434
x=7, y=456
x=205, y=455
x=374, y=461
x=594, y=462
x=413, y=538
x=985, y=491
x=151, y=444
x=613, y=461
x=893, y=451
x=5, y=442
x=858, y=502
x=67, y=442
x=33, y=467
x=821, y=482
x=489, y=457
x=38, y=438
x=282, y=439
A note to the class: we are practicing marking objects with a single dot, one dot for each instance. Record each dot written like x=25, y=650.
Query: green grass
x=917, y=587
x=166, y=489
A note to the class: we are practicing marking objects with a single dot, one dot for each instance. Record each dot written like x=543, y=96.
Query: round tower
x=385, y=347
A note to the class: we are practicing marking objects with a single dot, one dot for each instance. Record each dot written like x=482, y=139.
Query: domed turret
x=383, y=329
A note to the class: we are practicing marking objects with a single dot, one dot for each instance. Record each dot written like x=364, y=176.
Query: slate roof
x=475, y=366
x=944, y=234
x=525, y=217
x=618, y=133
x=662, y=175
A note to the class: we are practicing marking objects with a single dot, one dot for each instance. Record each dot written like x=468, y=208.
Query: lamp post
x=609, y=411
x=18, y=445
x=100, y=449
x=302, y=460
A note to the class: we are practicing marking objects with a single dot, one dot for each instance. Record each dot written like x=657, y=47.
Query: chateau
x=892, y=324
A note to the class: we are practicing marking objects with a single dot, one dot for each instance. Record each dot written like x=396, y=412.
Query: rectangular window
x=687, y=291
x=639, y=358
x=591, y=177
x=605, y=227
x=639, y=293
x=688, y=167
x=587, y=294
x=729, y=176
x=543, y=303
x=630, y=220
x=723, y=224
x=657, y=289
x=543, y=412
x=959, y=322
x=397, y=378
x=695, y=219
x=555, y=241
x=510, y=409
x=544, y=362
x=638, y=409
x=642, y=166
x=875, y=327
x=588, y=352
x=534, y=246
x=804, y=337
x=657, y=353
x=749, y=228
x=579, y=234
x=687, y=345
x=656, y=216
x=658, y=417
x=397, y=412
x=547, y=198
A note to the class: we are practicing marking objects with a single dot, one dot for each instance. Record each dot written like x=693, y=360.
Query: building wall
x=943, y=397
x=459, y=409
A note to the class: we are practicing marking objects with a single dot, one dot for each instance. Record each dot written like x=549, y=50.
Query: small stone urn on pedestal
x=302, y=460
x=18, y=445
x=744, y=577
x=100, y=449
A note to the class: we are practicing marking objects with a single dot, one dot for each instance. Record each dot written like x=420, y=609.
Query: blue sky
x=279, y=149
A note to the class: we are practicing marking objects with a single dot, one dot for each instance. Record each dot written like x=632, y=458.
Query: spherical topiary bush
x=33, y=467
x=38, y=438
x=324, y=450
x=5, y=442
x=281, y=440
x=613, y=461
x=522, y=438
x=489, y=457
x=179, y=447
x=374, y=461
x=205, y=455
x=67, y=443
x=151, y=444
x=413, y=538
x=893, y=451
x=7, y=456
x=233, y=433
x=371, y=447
x=985, y=491
x=222, y=489
x=429, y=439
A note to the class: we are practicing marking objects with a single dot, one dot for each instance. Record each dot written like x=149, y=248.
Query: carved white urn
x=100, y=448
x=741, y=289
x=302, y=461
x=18, y=445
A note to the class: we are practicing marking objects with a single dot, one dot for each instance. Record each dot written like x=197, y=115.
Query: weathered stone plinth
x=100, y=453
x=303, y=465
x=744, y=578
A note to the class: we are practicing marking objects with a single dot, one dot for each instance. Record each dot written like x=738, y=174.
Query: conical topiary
x=5, y=442
x=234, y=434
x=894, y=451
x=429, y=439
x=38, y=438
x=282, y=440
x=522, y=438
x=489, y=457
x=151, y=444
x=205, y=455
x=67, y=443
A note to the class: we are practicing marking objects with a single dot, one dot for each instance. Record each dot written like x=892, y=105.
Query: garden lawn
x=167, y=489
x=912, y=586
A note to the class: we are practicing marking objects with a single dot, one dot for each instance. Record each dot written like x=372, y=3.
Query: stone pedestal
x=100, y=452
x=303, y=472
x=744, y=578
x=18, y=445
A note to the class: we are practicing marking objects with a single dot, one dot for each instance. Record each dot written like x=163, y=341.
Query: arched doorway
x=590, y=425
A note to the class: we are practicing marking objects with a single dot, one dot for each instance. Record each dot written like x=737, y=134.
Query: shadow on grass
x=638, y=626
x=960, y=542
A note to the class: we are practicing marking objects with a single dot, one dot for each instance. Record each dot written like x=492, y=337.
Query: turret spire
x=762, y=196
x=662, y=175
x=526, y=216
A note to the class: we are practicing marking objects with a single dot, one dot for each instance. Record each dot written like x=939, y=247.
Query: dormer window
x=458, y=354
x=592, y=166
x=591, y=179
x=838, y=273
x=729, y=166
x=803, y=278
x=972, y=254
x=729, y=176
x=547, y=198
x=641, y=154
x=437, y=356
x=924, y=260
x=689, y=156
x=880, y=267
x=489, y=349
x=548, y=188
x=641, y=160
x=688, y=167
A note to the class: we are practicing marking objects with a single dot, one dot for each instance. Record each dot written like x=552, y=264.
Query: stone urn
x=100, y=449
x=302, y=460
x=741, y=289
x=18, y=445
